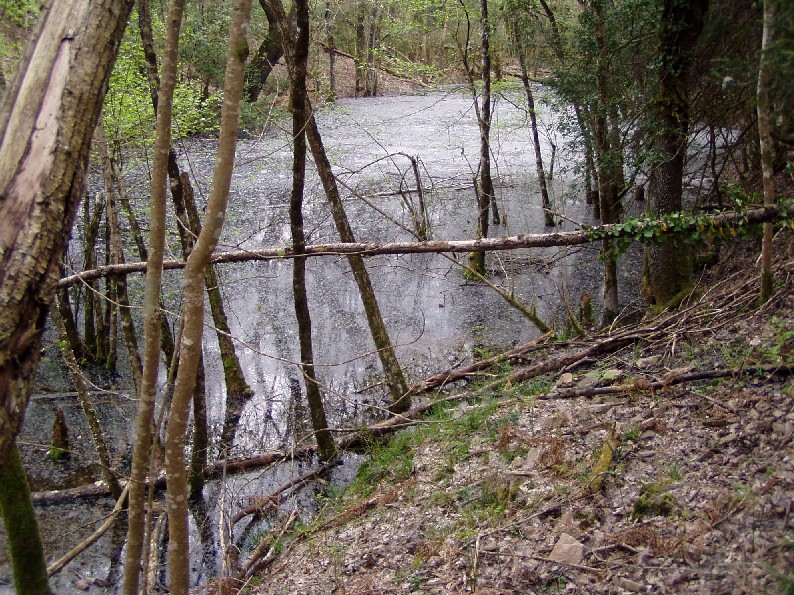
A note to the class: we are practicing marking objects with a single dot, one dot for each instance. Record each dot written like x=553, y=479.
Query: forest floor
x=496, y=490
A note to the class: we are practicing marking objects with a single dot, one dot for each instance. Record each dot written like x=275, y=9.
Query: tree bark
x=151, y=310
x=193, y=310
x=89, y=258
x=395, y=379
x=22, y=529
x=331, y=44
x=681, y=23
x=117, y=257
x=485, y=192
x=47, y=120
x=267, y=56
x=88, y=408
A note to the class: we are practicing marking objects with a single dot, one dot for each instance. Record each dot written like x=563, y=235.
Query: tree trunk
x=88, y=408
x=72, y=334
x=361, y=45
x=267, y=56
x=371, y=80
x=89, y=258
x=117, y=257
x=331, y=43
x=765, y=142
x=193, y=310
x=680, y=27
x=548, y=217
x=395, y=379
x=21, y=527
x=47, y=120
x=151, y=302
x=486, y=193
x=298, y=99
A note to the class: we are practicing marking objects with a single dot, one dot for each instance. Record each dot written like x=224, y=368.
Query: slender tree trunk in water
x=395, y=379
x=765, y=141
x=298, y=100
x=111, y=312
x=151, y=312
x=22, y=528
x=89, y=258
x=330, y=41
x=201, y=438
x=184, y=202
x=193, y=310
x=237, y=389
x=88, y=408
x=486, y=193
x=117, y=257
x=669, y=268
x=548, y=218
x=72, y=334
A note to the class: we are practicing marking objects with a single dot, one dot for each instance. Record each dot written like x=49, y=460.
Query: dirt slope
x=499, y=496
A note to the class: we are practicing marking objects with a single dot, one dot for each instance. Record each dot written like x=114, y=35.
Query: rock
x=489, y=545
x=81, y=585
x=567, y=524
x=588, y=382
x=565, y=380
x=567, y=550
x=648, y=362
x=611, y=376
x=628, y=584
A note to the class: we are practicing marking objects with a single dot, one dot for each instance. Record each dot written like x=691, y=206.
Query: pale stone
x=647, y=362
x=567, y=550
x=566, y=379
x=612, y=375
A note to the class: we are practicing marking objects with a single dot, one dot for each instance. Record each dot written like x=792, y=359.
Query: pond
x=436, y=317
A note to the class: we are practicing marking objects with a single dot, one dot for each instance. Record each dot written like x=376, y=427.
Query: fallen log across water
x=543, y=240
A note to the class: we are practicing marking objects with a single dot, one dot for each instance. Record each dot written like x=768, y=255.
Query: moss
x=653, y=502
x=19, y=518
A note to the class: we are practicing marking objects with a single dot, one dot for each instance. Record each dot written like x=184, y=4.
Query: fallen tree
x=638, y=229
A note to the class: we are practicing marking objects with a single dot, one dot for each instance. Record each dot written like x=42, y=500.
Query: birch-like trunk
x=151, y=306
x=193, y=309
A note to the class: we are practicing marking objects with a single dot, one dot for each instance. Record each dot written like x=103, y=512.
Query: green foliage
x=693, y=228
x=129, y=115
x=19, y=13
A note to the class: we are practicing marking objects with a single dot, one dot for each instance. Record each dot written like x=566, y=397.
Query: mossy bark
x=680, y=26
x=22, y=529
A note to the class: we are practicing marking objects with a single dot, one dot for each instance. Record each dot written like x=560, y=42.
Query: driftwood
x=544, y=240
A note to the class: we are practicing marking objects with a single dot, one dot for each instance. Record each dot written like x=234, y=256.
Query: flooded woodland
x=384, y=150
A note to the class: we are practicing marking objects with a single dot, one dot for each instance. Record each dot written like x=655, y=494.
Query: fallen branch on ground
x=669, y=380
